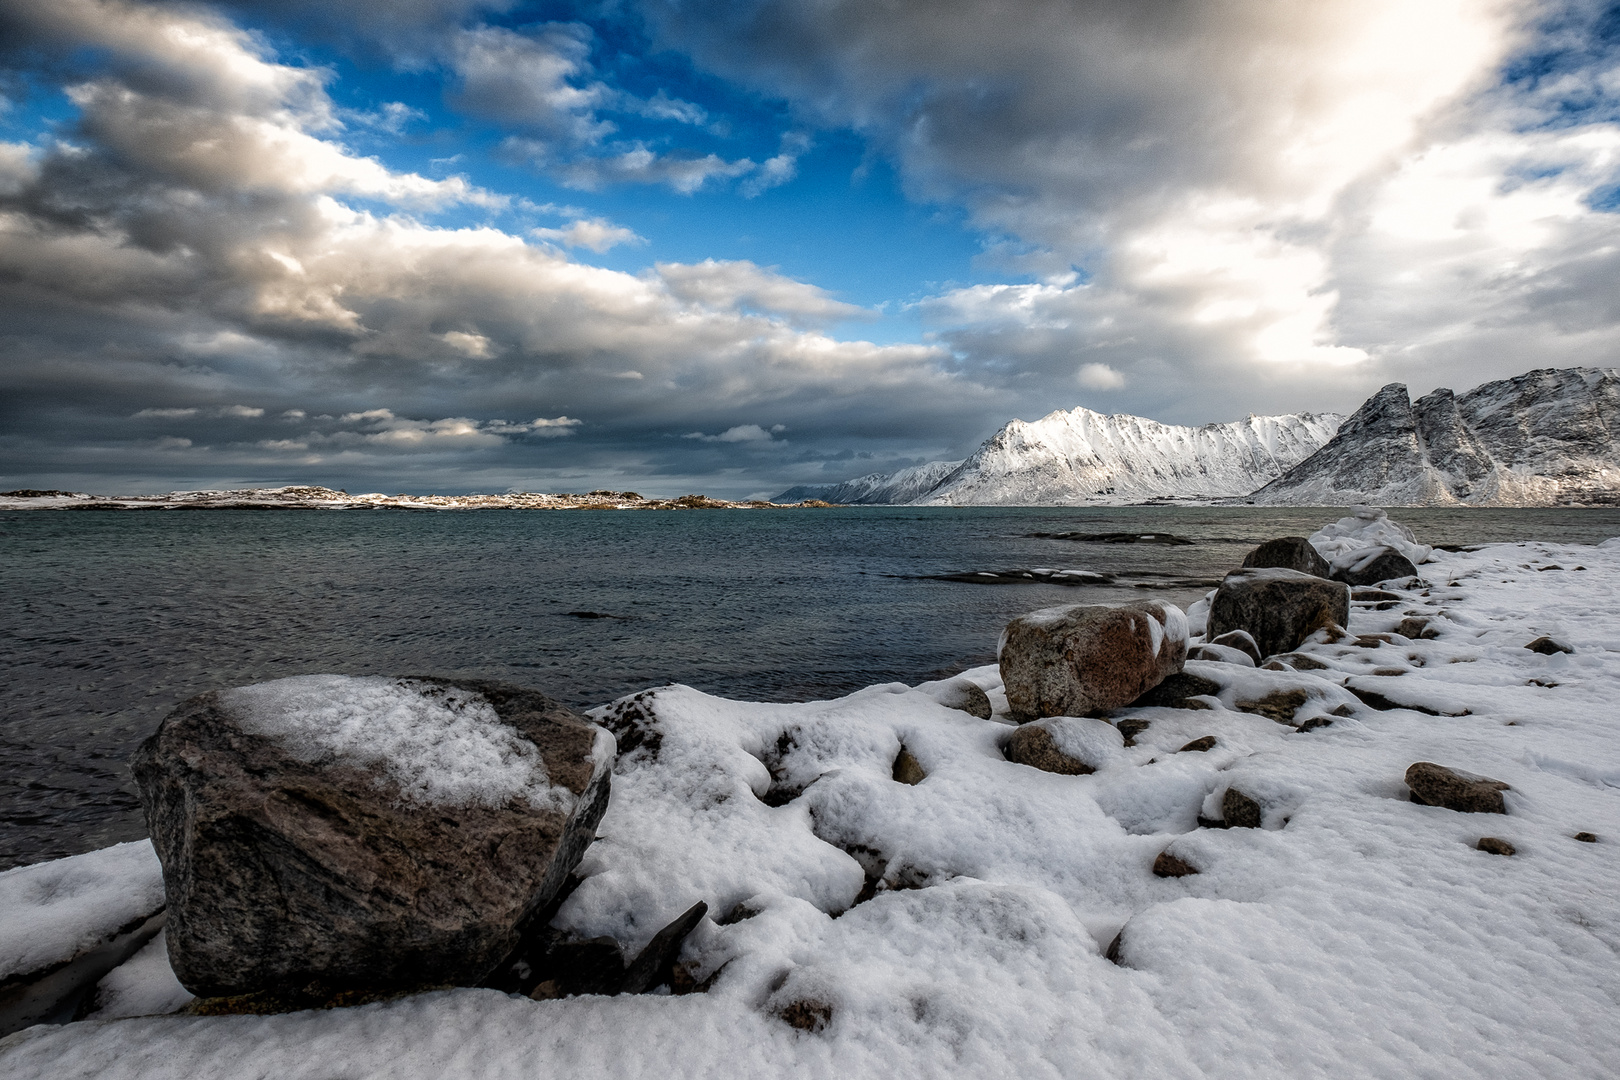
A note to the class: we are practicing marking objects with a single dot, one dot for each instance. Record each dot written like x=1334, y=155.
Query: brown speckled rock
x=1436, y=785
x=296, y=866
x=1033, y=745
x=1071, y=660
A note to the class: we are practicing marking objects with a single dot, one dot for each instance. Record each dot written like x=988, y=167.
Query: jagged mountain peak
x=1545, y=437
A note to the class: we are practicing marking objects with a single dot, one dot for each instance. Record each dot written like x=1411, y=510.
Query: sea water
x=112, y=618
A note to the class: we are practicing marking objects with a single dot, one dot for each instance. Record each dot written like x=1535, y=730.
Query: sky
x=730, y=247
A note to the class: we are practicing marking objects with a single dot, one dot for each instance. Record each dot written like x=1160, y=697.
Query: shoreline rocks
x=1074, y=659
x=325, y=834
x=1278, y=608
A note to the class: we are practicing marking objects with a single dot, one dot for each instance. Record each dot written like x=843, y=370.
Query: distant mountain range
x=1544, y=438
x=1080, y=457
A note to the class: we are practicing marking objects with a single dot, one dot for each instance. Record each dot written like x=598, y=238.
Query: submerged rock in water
x=1436, y=785
x=1071, y=660
x=324, y=834
x=1279, y=608
x=1290, y=553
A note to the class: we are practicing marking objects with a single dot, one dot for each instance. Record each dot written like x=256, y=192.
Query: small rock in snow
x=1130, y=729
x=1178, y=691
x=1241, y=640
x=807, y=1015
x=1300, y=662
x=1586, y=837
x=1033, y=745
x=1313, y=723
x=966, y=697
x=1167, y=865
x=1221, y=654
x=595, y=966
x=656, y=963
x=1239, y=811
x=1071, y=660
x=907, y=769
x=1199, y=745
x=1374, y=596
x=1436, y=785
x=1290, y=553
x=1548, y=646
x=1416, y=629
x=1495, y=846
x=1279, y=705
x=1279, y=608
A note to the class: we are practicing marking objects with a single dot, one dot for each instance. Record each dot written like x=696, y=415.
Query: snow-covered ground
x=1355, y=934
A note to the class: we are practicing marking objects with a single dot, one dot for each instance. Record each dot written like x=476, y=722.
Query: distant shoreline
x=320, y=498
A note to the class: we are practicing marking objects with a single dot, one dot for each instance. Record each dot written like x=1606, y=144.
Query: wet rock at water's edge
x=1279, y=608
x=326, y=835
x=1071, y=660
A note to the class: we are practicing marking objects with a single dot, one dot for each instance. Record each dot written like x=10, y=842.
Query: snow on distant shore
x=1356, y=934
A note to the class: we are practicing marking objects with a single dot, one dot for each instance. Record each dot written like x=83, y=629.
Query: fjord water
x=112, y=618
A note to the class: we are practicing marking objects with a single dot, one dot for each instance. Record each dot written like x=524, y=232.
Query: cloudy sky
x=475, y=245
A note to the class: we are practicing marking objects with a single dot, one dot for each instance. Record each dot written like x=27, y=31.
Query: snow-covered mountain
x=877, y=489
x=1543, y=438
x=1080, y=457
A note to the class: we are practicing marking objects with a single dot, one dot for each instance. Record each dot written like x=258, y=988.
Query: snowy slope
x=1079, y=456
x=876, y=489
x=1354, y=935
x=1543, y=438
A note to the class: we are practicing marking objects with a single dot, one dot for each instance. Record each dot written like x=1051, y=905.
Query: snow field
x=957, y=926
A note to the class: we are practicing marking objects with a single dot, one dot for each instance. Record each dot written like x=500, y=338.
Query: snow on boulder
x=1366, y=527
x=327, y=834
x=1372, y=566
x=1289, y=552
x=64, y=924
x=1070, y=660
x=1070, y=745
x=1279, y=608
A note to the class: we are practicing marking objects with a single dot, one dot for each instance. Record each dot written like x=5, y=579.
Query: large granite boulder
x=1290, y=553
x=1073, y=659
x=1373, y=565
x=326, y=835
x=1279, y=608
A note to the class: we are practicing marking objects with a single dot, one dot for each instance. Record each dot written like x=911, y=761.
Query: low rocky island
x=1313, y=825
x=322, y=498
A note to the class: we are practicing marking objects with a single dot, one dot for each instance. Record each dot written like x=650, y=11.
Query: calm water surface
x=110, y=619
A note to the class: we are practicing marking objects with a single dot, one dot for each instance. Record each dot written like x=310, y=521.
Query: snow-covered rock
x=364, y=833
x=1544, y=438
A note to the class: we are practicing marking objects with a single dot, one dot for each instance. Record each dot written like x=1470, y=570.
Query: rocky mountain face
x=1543, y=438
x=877, y=489
x=1081, y=457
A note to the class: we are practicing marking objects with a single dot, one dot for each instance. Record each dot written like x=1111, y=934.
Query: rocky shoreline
x=1359, y=788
